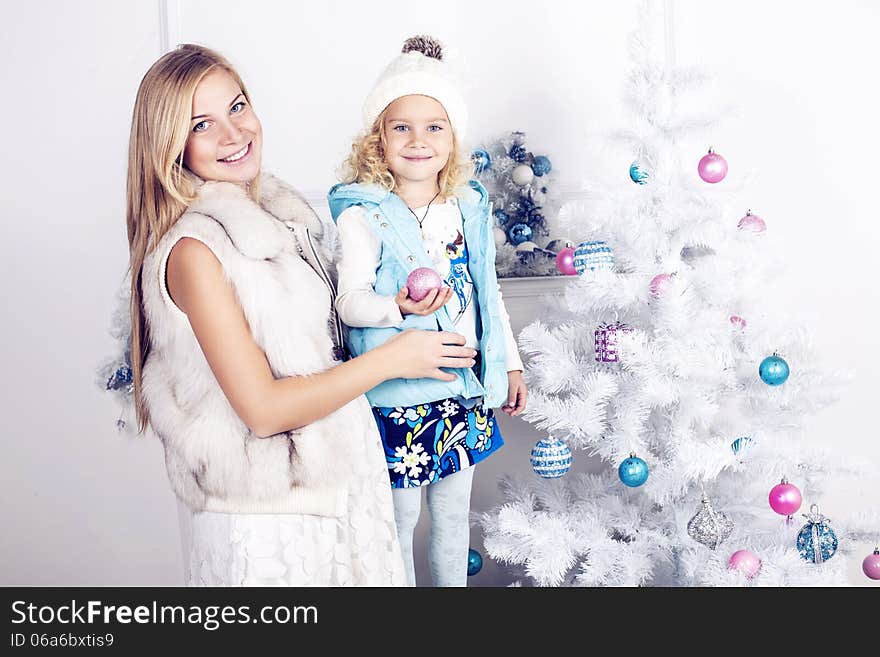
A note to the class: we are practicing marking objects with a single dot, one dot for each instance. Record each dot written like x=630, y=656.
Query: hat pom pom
x=426, y=45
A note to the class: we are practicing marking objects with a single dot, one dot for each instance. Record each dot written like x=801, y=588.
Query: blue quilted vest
x=402, y=252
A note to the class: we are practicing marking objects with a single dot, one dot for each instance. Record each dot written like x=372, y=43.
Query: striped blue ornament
x=593, y=256
x=551, y=458
x=740, y=444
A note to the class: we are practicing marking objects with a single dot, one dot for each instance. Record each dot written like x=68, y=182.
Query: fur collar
x=257, y=231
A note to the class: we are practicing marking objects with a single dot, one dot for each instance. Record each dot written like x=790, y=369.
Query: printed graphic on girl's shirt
x=459, y=278
x=427, y=442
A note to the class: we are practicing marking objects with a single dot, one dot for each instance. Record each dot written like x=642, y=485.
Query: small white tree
x=684, y=389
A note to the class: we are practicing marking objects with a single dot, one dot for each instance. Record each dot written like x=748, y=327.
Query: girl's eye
x=238, y=107
x=400, y=128
x=435, y=128
x=201, y=126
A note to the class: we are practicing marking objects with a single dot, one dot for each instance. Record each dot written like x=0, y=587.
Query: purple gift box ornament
x=606, y=341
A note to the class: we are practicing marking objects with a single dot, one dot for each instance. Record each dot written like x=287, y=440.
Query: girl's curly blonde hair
x=366, y=162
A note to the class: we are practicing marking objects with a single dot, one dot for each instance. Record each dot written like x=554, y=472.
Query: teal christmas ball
x=638, y=174
x=519, y=233
x=773, y=370
x=542, y=165
x=482, y=160
x=475, y=562
x=633, y=472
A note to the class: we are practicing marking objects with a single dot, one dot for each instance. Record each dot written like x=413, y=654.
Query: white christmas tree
x=658, y=358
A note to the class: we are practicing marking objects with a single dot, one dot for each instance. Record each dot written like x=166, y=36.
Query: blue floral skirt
x=427, y=442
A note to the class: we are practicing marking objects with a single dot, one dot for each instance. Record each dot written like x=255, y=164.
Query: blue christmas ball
x=475, y=562
x=551, y=458
x=501, y=216
x=633, y=471
x=816, y=541
x=541, y=165
x=740, y=444
x=120, y=379
x=593, y=256
x=638, y=174
x=773, y=370
x=519, y=233
x=481, y=159
x=518, y=153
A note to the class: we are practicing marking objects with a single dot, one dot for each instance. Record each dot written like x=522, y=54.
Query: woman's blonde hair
x=159, y=188
x=366, y=162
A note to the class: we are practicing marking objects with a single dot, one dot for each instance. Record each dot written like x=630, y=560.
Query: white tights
x=449, y=503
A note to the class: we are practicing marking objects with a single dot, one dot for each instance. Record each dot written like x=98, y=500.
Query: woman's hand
x=435, y=300
x=420, y=354
x=516, y=394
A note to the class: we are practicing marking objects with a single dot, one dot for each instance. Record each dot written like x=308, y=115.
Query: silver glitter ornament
x=709, y=527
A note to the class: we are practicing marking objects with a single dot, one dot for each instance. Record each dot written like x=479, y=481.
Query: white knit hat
x=419, y=70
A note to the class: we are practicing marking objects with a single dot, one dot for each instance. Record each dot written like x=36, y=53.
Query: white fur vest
x=214, y=462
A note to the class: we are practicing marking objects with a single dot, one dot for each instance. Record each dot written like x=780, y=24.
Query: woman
x=237, y=353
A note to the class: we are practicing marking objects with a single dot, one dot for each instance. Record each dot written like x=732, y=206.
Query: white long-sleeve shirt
x=357, y=302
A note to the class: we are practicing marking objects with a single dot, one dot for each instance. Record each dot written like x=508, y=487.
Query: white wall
x=91, y=507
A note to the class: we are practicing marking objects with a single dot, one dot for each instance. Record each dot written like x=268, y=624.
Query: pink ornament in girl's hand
x=785, y=498
x=738, y=321
x=712, y=167
x=565, y=262
x=746, y=562
x=421, y=281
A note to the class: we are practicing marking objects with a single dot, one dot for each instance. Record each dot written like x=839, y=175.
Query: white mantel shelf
x=533, y=286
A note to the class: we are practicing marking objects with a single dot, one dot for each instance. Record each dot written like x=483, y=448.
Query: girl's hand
x=427, y=306
x=420, y=354
x=516, y=394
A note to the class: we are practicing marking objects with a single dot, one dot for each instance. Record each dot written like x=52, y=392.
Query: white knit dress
x=357, y=549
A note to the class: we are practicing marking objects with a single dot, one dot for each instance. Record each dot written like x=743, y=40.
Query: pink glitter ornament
x=746, y=562
x=565, y=262
x=752, y=223
x=712, y=167
x=785, y=498
x=660, y=283
x=871, y=564
x=738, y=321
x=421, y=281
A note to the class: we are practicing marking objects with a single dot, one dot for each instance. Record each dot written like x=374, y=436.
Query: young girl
x=408, y=204
x=236, y=353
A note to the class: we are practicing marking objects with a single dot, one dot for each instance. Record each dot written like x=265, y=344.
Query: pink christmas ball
x=746, y=562
x=712, y=167
x=785, y=498
x=421, y=281
x=752, y=223
x=738, y=321
x=565, y=262
x=660, y=283
x=871, y=564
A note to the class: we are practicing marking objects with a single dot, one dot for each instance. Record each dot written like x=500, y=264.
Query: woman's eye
x=238, y=107
x=201, y=126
